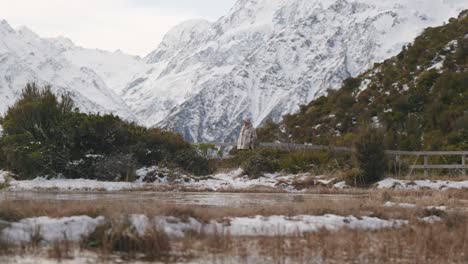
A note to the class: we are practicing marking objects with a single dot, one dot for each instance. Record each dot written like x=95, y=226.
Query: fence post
x=464, y=164
x=426, y=163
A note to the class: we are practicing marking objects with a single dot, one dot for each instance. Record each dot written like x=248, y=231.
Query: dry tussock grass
x=418, y=243
x=5, y=247
x=61, y=250
x=14, y=211
x=119, y=236
x=444, y=242
x=369, y=205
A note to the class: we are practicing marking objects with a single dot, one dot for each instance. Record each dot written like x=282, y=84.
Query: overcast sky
x=134, y=26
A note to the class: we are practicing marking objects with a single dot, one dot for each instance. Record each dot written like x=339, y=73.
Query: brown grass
x=444, y=242
x=5, y=247
x=120, y=237
x=418, y=242
x=369, y=205
x=61, y=250
x=14, y=211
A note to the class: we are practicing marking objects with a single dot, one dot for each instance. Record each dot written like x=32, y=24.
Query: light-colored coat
x=247, y=138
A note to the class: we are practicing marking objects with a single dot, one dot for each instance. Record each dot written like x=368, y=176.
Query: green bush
x=304, y=161
x=267, y=160
x=257, y=165
x=256, y=162
x=45, y=136
x=189, y=160
x=370, y=156
x=354, y=177
x=208, y=151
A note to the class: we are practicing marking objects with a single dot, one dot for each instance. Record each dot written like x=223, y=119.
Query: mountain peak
x=63, y=42
x=185, y=32
x=5, y=27
x=179, y=37
x=27, y=32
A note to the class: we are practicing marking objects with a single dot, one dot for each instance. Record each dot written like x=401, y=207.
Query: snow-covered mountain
x=266, y=57
x=88, y=75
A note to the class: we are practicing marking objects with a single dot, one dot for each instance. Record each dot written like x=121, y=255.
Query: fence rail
x=463, y=167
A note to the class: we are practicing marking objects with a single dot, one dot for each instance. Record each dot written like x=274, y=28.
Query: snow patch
x=409, y=205
x=431, y=219
x=71, y=185
x=154, y=177
x=391, y=183
x=403, y=205
x=3, y=175
x=265, y=226
x=437, y=65
x=52, y=230
x=341, y=185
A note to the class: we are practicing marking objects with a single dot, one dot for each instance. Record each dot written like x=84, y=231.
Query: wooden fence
x=397, y=154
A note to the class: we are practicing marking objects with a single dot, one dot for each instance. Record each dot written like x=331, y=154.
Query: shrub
x=353, y=177
x=120, y=167
x=370, y=156
x=208, y=151
x=189, y=160
x=45, y=136
x=267, y=160
x=258, y=164
x=304, y=161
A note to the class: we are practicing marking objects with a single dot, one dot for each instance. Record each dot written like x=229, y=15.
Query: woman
x=248, y=136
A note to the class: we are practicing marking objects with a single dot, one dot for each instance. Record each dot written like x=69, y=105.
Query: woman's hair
x=247, y=118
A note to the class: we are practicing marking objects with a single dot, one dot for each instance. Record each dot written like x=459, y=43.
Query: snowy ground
x=229, y=181
x=421, y=184
x=233, y=180
x=411, y=206
x=78, y=227
x=3, y=175
x=50, y=230
x=265, y=226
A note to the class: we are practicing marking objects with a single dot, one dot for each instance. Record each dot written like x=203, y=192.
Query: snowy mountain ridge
x=87, y=74
x=263, y=58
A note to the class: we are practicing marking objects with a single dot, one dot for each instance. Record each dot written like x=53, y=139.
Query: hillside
x=420, y=96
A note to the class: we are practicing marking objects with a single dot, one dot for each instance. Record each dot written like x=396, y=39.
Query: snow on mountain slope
x=266, y=57
x=25, y=57
x=115, y=68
